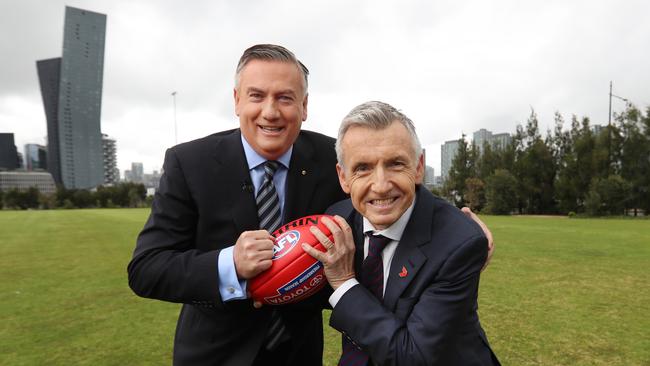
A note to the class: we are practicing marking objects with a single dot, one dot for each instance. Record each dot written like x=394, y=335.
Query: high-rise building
x=49, y=75
x=596, y=129
x=500, y=140
x=137, y=172
x=482, y=137
x=111, y=172
x=35, y=157
x=448, y=152
x=496, y=141
x=8, y=153
x=429, y=175
x=74, y=135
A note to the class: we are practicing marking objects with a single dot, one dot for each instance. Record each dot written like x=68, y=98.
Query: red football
x=294, y=275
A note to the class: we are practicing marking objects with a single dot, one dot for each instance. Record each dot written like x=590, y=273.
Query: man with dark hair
x=219, y=198
x=404, y=265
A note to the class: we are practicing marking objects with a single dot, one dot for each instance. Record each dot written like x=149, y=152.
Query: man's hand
x=252, y=254
x=338, y=260
x=468, y=212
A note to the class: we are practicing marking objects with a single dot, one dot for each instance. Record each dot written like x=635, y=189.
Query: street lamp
x=176, y=128
x=610, y=102
x=609, y=126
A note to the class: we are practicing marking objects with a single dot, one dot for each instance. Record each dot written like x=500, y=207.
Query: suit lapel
x=408, y=258
x=302, y=178
x=235, y=176
x=357, y=233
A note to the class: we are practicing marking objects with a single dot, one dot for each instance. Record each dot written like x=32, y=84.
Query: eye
x=285, y=98
x=360, y=168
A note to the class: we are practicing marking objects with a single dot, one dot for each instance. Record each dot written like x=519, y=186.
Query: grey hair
x=270, y=52
x=377, y=116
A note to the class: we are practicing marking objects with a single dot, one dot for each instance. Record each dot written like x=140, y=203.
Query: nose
x=380, y=181
x=270, y=111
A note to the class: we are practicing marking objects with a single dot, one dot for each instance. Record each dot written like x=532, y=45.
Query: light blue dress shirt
x=230, y=287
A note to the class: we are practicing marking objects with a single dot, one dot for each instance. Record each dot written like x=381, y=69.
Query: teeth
x=385, y=201
x=271, y=129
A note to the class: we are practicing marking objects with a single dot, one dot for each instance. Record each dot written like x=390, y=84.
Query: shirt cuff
x=230, y=287
x=339, y=292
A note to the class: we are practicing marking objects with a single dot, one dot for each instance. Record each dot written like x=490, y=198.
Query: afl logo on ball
x=284, y=243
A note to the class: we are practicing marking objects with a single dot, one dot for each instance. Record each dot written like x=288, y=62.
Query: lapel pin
x=304, y=172
x=404, y=272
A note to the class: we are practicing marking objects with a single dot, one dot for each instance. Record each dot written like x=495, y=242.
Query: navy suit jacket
x=204, y=203
x=429, y=312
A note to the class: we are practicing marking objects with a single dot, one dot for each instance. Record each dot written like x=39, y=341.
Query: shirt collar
x=394, y=231
x=254, y=159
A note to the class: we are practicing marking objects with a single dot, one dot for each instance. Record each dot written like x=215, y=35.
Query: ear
x=236, y=96
x=304, y=107
x=344, y=184
x=419, y=171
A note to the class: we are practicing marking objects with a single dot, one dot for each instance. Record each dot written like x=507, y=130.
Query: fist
x=252, y=253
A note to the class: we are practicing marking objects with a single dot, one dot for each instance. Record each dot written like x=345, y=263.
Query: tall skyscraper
x=49, y=75
x=496, y=141
x=448, y=152
x=74, y=135
x=8, y=154
x=35, y=157
x=137, y=172
x=482, y=137
x=500, y=140
x=111, y=172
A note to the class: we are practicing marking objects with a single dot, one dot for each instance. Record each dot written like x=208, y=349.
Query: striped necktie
x=268, y=203
x=269, y=213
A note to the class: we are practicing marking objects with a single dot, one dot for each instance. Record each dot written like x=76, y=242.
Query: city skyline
x=452, y=67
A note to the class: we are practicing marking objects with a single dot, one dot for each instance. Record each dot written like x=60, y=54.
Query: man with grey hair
x=404, y=264
x=219, y=198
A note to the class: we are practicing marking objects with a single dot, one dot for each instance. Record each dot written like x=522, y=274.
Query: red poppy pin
x=404, y=272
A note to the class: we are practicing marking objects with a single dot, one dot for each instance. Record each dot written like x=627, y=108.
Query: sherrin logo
x=284, y=243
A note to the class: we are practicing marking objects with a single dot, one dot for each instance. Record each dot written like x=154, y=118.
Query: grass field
x=559, y=292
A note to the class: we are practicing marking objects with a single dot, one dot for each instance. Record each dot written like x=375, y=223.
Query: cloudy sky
x=452, y=66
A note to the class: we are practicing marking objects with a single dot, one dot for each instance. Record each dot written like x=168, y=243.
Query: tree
x=608, y=196
x=634, y=163
x=21, y=199
x=474, y=194
x=500, y=192
x=536, y=170
x=461, y=169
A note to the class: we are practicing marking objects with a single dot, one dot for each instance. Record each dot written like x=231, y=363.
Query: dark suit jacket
x=428, y=316
x=204, y=203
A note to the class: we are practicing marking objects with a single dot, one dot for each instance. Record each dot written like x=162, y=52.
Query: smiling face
x=380, y=172
x=271, y=103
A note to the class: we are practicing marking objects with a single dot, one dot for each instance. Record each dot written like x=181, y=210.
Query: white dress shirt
x=393, y=232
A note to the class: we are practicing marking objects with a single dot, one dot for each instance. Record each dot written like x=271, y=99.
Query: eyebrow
x=284, y=92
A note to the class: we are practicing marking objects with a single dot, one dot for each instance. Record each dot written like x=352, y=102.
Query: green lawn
x=559, y=292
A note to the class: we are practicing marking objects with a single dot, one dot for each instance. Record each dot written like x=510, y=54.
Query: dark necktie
x=372, y=278
x=268, y=203
x=269, y=213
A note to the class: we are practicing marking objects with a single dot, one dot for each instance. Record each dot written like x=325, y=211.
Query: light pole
x=609, y=126
x=176, y=127
x=610, y=103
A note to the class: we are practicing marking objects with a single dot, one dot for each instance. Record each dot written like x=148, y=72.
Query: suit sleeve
x=166, y=264
x=418, y=337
